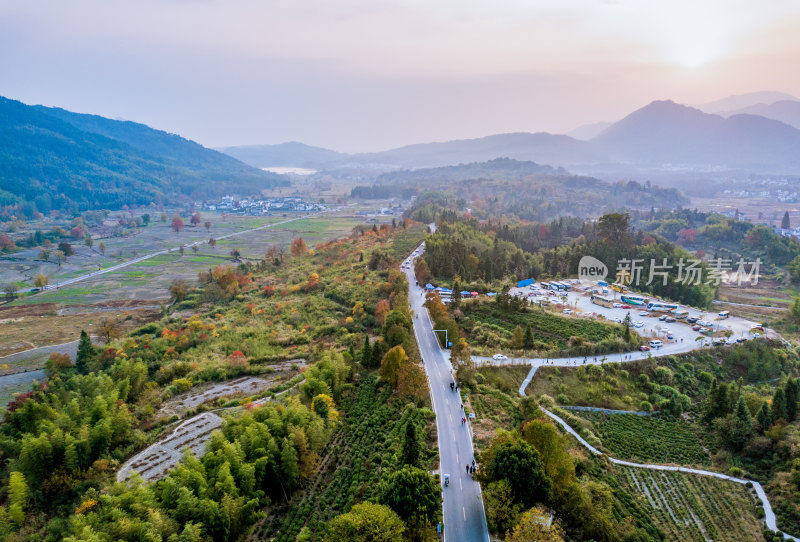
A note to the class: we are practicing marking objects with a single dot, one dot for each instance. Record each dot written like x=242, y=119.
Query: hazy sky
x=369, y=74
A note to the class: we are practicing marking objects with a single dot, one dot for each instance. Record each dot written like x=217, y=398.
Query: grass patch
x=486, y=323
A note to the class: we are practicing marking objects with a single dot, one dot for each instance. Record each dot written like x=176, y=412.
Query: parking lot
x=577, y=303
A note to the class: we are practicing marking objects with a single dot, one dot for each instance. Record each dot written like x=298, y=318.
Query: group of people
x=471, y=468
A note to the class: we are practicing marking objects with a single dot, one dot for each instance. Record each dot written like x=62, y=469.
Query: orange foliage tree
x=299, y=247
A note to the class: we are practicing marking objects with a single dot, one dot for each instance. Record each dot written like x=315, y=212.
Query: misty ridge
x=58, y=159
x=759, y=137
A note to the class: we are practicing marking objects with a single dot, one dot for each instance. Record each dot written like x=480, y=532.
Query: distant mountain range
x=663, y=134
x=55, y=159
x=786, y=111
x=742, y=101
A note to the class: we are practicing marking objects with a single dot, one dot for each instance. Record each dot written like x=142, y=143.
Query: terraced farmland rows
x=660, y=439
x=157, y=459
x=695, y=508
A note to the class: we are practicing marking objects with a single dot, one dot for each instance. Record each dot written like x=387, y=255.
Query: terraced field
x=695, y=508
x=155, y=461
x=652, y=439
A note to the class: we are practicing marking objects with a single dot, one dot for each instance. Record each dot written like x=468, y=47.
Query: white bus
x=658, y=306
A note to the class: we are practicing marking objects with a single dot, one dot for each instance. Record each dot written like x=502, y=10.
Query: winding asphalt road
x=464, y=515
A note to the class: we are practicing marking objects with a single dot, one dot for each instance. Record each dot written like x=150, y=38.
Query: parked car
x=669, y=319
x=617, y=305
x=499, y=357
x=626, y=306
x=638, y=324
x=662, y=317
x=692, y=319
x=696, y=327
x=644, y=348
x=644, y=313
x=567, y=311
x=655, y=343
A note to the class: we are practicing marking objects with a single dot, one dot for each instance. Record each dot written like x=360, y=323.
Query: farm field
x=694, y=508
x=155, y=461
x=207, y=393
x=57, y=316
x=650, y=439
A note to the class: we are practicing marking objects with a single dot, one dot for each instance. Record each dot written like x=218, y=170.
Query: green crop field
x=692, y=507
x=654, y=439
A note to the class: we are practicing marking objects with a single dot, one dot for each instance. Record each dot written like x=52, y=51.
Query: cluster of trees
x=258, y=457
x=723, y=236
x=55, y=159
x=528, y=469
x=221, y=283
x=477, y=252
x=445, y=325
x=727, y=411
x=528, y=191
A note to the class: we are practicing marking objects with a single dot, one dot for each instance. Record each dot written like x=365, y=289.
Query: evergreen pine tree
x=792, y=390
x=412, y=448
x=743, y=428
x=779, y=405
x=764, y=418
x=366, y=353
x=717, y=403
x=785, y=225
x=528, y=337
x=85, y=353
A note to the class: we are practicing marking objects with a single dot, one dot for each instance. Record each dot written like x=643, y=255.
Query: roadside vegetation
x=341, y=306
x=511, y=324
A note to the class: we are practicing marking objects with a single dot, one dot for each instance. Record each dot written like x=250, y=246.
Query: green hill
x=54, y=159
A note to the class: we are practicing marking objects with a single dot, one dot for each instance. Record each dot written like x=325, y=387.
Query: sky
x=368, y=75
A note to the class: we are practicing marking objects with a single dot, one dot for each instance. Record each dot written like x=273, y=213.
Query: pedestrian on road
x=462, y=406
x=467, y=469
x=473, y=462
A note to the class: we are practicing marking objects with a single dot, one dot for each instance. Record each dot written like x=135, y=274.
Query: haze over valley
x=401, y=272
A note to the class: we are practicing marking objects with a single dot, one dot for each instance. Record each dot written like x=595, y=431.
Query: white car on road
x=499, y=357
